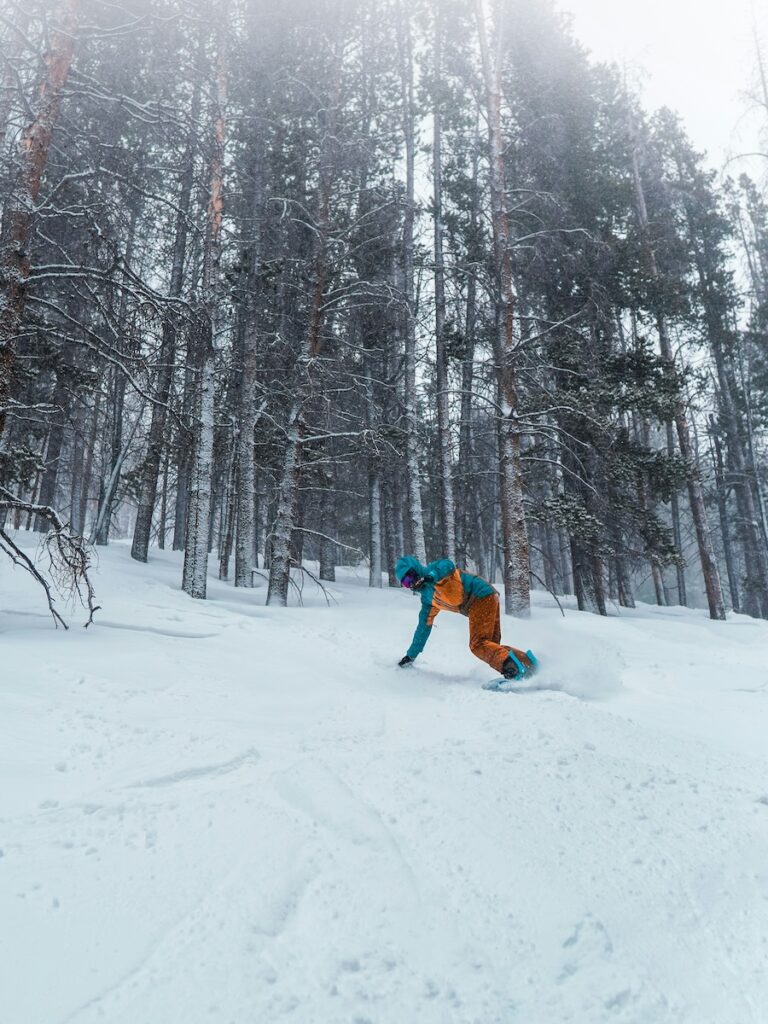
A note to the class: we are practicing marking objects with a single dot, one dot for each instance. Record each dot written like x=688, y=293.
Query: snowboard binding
x=523, y=671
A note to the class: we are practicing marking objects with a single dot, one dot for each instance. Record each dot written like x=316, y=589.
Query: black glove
x=405, y=662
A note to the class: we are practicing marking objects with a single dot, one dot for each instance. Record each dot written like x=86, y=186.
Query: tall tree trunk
x=393, y=540
x=228, y=505
x=76, y=457
x=161, y=525
x=623, y=584
x=185, y=439
x=725, y=526
x=18, y=212
x=547, y=560
x=707, y=558
x=245, y=542
x=374, y=526
x=645, y=501
x=447, y=508
x=514, y=532
x=468, y=544
x=194, y=579
x=151, y=467
x=195, y=573
x=413, y=474
x=470, y=503
x=262, y=524
x=756, y=558
x=155, y=441
x=327, y=568
x=90, y=448
x=750, y=449
x=677, y=533
x=375, y=560
x=754, y=592
x=246, y=471
x=587, y=579
x=108, y=492
x=756, y=566
x=47, y=495
x=108, y=489
x=566, y=585
x=372, y=414
x=288, y=496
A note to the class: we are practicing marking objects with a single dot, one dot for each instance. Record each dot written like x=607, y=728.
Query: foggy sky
x=696, y=56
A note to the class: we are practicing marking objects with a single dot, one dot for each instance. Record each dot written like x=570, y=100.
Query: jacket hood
x=436, y=571
x=407, y=562
x=440, y=569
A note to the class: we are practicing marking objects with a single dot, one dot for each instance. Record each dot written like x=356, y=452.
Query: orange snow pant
x=485, y=633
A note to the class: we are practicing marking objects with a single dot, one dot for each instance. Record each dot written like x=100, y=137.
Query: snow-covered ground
x=218, y=812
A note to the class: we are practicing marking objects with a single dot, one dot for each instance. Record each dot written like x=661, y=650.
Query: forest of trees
x=290, y=286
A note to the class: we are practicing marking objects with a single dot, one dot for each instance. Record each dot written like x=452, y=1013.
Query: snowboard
x=504, y=685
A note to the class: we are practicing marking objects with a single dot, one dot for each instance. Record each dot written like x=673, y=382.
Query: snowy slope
x=218, y=812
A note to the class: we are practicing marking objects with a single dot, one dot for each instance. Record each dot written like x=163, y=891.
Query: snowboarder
x=443, y=587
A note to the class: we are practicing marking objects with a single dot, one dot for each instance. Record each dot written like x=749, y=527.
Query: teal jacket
x=447, y=589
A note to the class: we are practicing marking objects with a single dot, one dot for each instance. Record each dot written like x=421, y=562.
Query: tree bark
x=469, y=504
x=756, y=558
x=280, y=562
x=85, y=487
x=707, y=558
x=327, y=567
x=16, y=229
x=108, y=490
x=151, y=467
x=725, y=527
x=393, y=541
x=513, y=522
x=677, y=533
x=195, y=573
x=447, y=508
x=228, y=514
x=288, y=497
x=194, y=580
x=413, y=473
x=110, y=478
x=185, y=440
x=756, y=585
x=245, y=543
x=374, y=526
x=246, y=471
x=161, y=525
x=47, y=494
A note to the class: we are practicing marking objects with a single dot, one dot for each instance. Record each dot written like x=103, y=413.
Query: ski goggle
x=410, y=580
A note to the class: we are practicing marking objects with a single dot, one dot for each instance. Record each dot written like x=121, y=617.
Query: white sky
x=696, y=56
